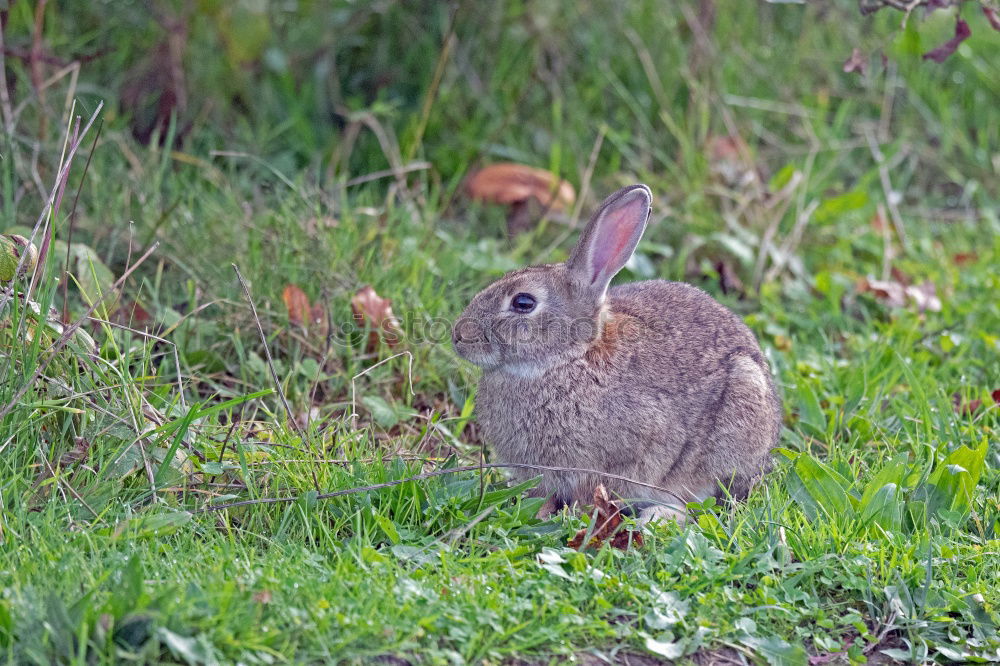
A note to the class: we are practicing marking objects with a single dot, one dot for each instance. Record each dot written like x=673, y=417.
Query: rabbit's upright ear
x=610, y=238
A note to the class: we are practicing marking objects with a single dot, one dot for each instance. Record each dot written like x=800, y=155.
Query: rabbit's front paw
x=549, y=509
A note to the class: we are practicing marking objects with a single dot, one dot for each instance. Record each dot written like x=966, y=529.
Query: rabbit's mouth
x=479, y=354
x=472, y=343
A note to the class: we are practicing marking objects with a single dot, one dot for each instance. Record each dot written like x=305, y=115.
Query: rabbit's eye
x=522, y=303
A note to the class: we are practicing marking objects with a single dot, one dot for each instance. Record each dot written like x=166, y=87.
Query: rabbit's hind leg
x=747, y=421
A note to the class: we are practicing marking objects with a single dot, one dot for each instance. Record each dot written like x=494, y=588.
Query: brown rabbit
x=654, y=381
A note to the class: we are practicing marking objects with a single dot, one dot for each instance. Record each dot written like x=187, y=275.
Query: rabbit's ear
x=610, y=237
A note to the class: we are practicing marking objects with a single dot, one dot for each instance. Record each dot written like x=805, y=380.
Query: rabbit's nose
x=465, y=330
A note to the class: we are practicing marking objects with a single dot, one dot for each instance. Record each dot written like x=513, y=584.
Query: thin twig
x=43, y=251
x=54, y=348
x=147, y=334
x=270, y=366
x=222, y=450
x=354, y=403
x=385, y=173
x=69, y=486
x=442, y=472
x=432, y=90
x=460, y=532
x=890, y=196
x=50, y=202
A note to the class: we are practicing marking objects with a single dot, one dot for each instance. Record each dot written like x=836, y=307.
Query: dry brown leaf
x=973, y=405
x=992, y=16
x=297, y=304
x=731, y=160
x=897, y=294
x=317, y=319
x=154, y=92
x=605, y=526
x=941, y=53
x=889, y=292
x=81, y=447
x=130, y=313
x=373, y=311
x=924, y=296
x=509, y=183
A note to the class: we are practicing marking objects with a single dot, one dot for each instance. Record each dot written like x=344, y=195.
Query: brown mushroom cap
x=508, y=183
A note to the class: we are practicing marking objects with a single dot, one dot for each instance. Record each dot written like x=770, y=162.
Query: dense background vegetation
x=850, y=216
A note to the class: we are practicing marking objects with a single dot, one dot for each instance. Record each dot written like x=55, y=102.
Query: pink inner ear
x=614, y=236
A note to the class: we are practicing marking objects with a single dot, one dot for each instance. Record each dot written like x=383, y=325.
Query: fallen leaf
x=518, y=186
x=510, y=183
x=605, y=524
x=891, y=293
x=75, y=455
x=972, y=406
x=856, y=63
x=317, y=319
x=297, y=304
x=130, y=313
x=896, y=294
x=154, y=92
x=992, y=16
x=731, y=160
x=941, y=53
x=924, y=296
x=303, y=314
x=373, y=311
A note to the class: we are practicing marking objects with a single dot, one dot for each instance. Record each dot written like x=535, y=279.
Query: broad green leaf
x=385, y=415
x=184, y=648
x=781, y=178
x=388, y=527
x=830, y=209
x=775, y=651
x=827, y=488
x=895, y=471
x=884, y=508
x=811, y=414
x=143, y=526
x=499, y=496
x=951, y=484
x=668, y=649
x=212, y=467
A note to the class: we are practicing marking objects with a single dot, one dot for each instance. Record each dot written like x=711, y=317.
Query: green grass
x=878, y=536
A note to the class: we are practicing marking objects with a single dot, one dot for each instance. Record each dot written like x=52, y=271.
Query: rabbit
x=652, y=381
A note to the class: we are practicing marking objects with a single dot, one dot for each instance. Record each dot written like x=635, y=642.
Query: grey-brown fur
x=654, y=381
